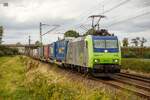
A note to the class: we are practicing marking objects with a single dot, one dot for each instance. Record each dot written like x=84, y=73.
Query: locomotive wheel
x=90, y=72
x=82, y=70
x=79, y=69
x=86, y=71
x=72, y=67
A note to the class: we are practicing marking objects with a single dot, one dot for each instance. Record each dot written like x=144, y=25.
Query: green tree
x=101, y=32
x=142, y=41
x=1, y=30
x=90, y=32
x=18, y=43
x=135, y=41
x=71, y=33
x=125, y=42
x=37, y=43
x=138, y=41
x=1, y=33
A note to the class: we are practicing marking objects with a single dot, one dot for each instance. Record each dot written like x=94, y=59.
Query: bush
x=147, y=55
x=130, y=54
x=4, y=51
x=1, y=53
x=42, y=87
x=140, y=65
x=134, y=52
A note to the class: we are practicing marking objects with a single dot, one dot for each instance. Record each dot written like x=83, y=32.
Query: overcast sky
x=22, y=18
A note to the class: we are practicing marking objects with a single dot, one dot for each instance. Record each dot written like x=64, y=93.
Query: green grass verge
x=140, y=65
x=11, y=75
x=19, y=83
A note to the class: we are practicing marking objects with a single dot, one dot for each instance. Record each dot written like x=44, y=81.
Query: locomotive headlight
x=96, y=60
x=116, y=60
x=105, y=51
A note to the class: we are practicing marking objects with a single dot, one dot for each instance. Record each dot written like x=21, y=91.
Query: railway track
x=139, y=85
x=124, y=85
x=137, y=77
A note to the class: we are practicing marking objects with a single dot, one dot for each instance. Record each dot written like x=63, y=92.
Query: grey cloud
x=136, y=25
x=142, y=3
x=85, y=7
x=10, y=23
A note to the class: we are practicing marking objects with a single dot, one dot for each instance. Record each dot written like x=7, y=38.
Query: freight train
x=98, y=55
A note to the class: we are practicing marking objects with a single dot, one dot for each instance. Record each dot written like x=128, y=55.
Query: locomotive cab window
x=111, y=44
x=105, y=44
x=99, y=43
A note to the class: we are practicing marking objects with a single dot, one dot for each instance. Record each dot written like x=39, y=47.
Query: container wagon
x=41, y=53
x=35, y=53
x=52, y=52
x=46, y=53
x=61, y=51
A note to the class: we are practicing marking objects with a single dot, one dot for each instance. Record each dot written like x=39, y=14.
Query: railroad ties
x=139, y=85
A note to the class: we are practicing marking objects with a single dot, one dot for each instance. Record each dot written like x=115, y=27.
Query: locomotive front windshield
x=105, y=44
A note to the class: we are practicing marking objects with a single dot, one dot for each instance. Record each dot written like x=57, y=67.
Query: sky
x=124, y=18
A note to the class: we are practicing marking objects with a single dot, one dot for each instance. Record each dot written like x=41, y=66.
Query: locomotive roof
x=78, y=39
x=105, y=37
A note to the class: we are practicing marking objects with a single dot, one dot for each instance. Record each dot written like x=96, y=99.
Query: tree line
x=137, y=42
x=6, y=51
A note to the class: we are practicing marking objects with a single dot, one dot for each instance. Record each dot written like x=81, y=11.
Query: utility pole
x=40, y=34
x=29, y=40
x=29, y=44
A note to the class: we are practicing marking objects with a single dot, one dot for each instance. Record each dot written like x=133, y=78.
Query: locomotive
x=97, y=55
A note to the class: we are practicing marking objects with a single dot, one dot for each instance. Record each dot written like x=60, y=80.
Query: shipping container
x=52, y=51
x=30, y=52
x=41, y=52
x=61, y=50
x=35, y=53
x=46, y=52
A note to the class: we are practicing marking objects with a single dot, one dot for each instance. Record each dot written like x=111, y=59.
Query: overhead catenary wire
x=125, y=20
x=107, y=11
x=86, y=13
x=116, y=6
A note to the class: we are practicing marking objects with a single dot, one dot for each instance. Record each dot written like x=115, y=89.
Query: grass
x=11, y=75
x=140, y=65
x=22, y=78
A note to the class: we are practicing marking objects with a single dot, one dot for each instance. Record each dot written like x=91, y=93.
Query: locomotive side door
x=85, y=53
